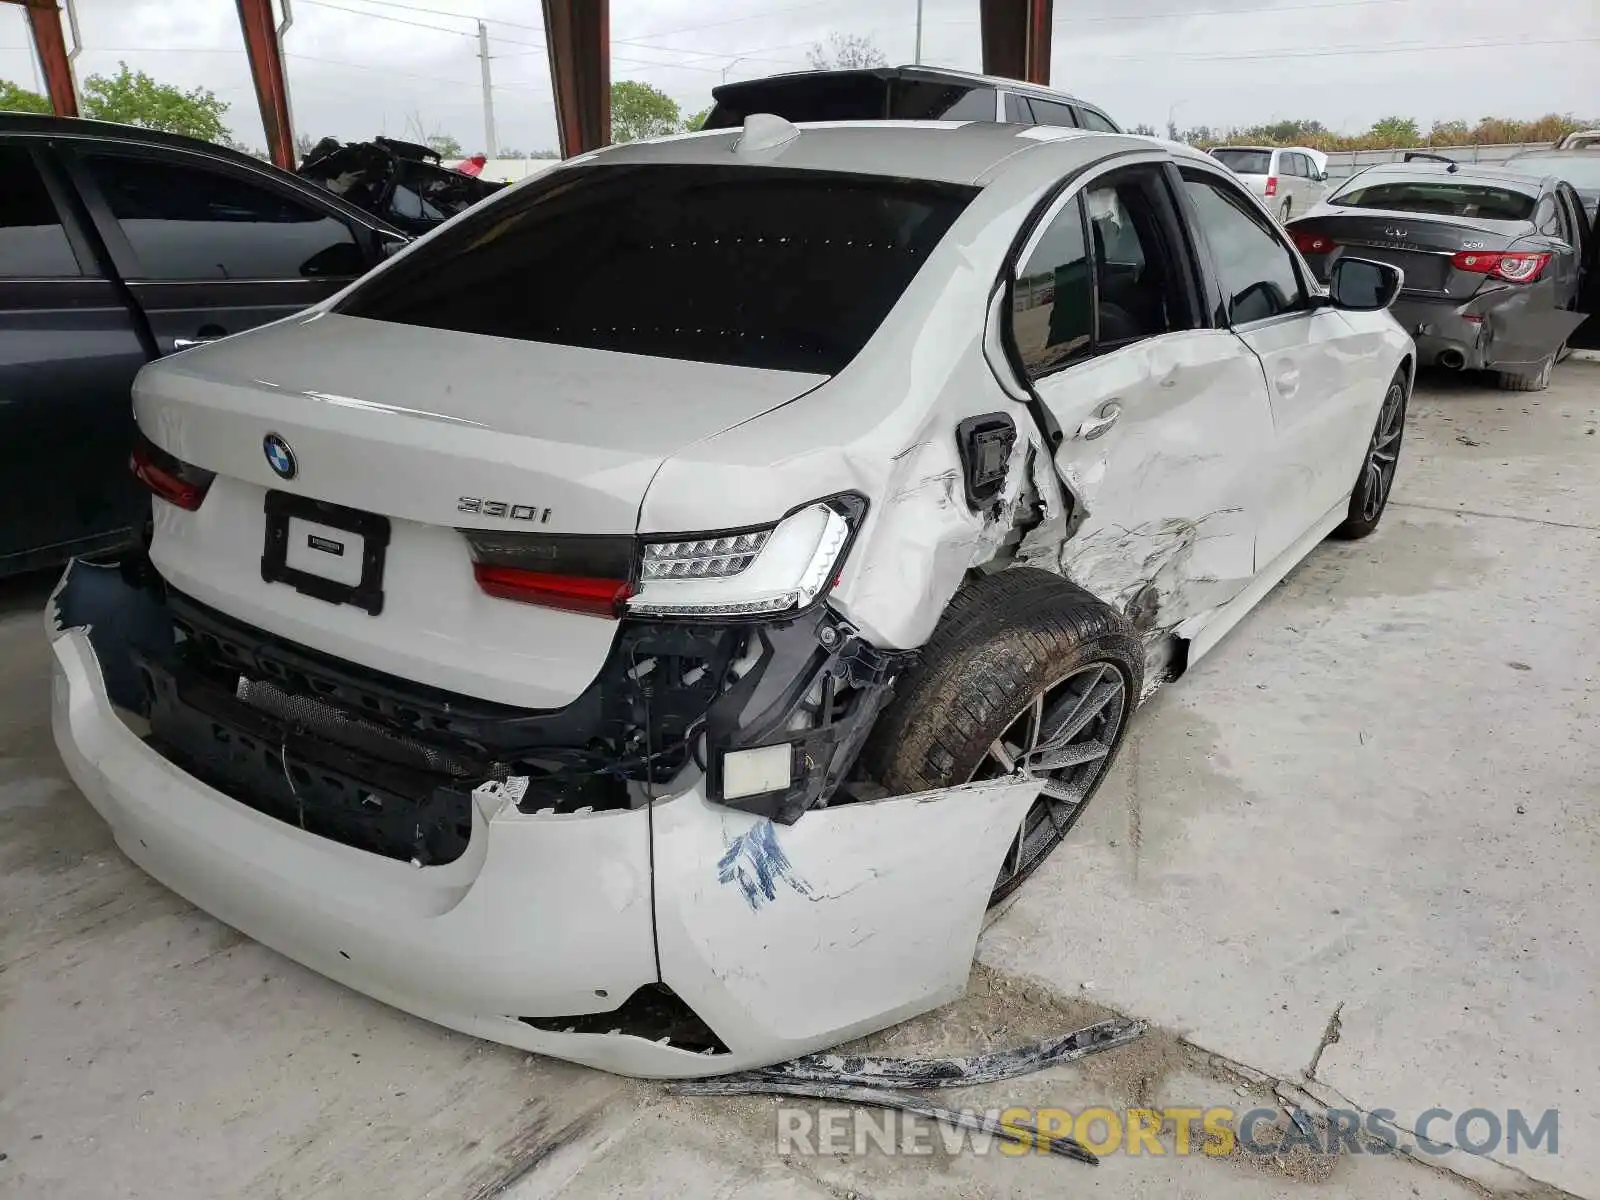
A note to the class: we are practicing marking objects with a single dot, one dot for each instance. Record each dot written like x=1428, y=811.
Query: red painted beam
x=578, y=33
x=266, y=68
x=51, y=43
x=1016, y=38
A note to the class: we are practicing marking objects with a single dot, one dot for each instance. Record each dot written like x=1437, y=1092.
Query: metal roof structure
x=1016, y=45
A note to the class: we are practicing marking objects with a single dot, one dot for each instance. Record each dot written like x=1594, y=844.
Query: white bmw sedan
x=649, y=619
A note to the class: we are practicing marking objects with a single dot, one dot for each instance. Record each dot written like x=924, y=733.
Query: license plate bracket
x=367, y=592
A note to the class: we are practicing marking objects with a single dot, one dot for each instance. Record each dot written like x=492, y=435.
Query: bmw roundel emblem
x=279, y=457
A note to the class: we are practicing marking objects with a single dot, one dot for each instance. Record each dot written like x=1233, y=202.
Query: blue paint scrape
x=756, y=862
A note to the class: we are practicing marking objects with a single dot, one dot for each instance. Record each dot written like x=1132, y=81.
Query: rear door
x=1303, y=188
x=1165, y=418
x=208, y=247
x=69, y=349
x=1319, y=389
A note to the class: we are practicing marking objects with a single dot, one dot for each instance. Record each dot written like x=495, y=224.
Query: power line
x=385, y=17
x=1338, y=52
x=538, y=48
x=1207, y=12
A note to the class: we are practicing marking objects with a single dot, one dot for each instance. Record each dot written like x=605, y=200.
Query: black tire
x=1021, y=646
x=1283, y=213
x=1370, y=497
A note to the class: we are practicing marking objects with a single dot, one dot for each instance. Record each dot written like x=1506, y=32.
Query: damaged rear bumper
x=1505, y=329
x=679, y=939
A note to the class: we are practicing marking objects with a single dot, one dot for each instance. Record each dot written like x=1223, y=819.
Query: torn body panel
x=777, y=939
x=1163, y=495
x=1524, y=328
x=858, y=916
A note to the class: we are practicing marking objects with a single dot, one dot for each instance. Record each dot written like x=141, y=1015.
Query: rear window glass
x=846, y=97
x=1245, y=162
x=749, y=266
x=817, y=98
x=1444, y=199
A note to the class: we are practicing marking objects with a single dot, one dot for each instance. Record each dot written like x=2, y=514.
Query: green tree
x=1396, y=131
x=1143, y=130
x=445, y=146
x=845, y=51
x=695, y=122
x=641, y=111
x=17, y=99
x=134, y=98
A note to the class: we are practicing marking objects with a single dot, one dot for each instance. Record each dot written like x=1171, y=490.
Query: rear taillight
x=1314, y=243
x=1272, y=185
x=589, y=575
x=174, y=480
x=1516, y=266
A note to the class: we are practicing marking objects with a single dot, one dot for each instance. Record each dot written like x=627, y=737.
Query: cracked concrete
x=1309, y=870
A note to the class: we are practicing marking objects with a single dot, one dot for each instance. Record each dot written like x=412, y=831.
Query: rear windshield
x=846, y=97
x=1245, y=162
x=1442, y=198
x=749, y=266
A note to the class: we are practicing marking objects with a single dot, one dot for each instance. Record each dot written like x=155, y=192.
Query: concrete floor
x=1369, y=815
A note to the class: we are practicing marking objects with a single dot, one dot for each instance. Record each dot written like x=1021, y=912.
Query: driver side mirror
x=1322, y=177
x=1361, y=285
x=389, y=245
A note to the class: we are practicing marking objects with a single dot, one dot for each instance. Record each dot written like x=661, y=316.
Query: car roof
x=957, y=152
x=1463, y=173
x=33, y=124
x=936, y=74
x=1260, y=149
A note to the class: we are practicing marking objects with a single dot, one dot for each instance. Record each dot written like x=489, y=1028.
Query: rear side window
x=1093, y=120
x=1052, y=301
x=189, y=222
x=1441, y=197
x=33, y=245
x=1245, y=162
x=1048, y=112
x=790, y=270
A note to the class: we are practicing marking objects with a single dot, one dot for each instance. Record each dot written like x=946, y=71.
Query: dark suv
x=901, y=94
x=119, y=245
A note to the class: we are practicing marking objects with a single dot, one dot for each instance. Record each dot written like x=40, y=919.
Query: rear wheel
x=1371, y=494
x=1532, y=381
x=1026, y=671
x=1283, y=213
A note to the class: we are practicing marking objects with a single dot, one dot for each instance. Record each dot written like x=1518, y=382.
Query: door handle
x=188, y=343
x=1098, y=424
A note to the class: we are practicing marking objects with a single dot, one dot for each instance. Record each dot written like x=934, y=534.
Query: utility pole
x=916, y=56
x=491, y=147
x=77, y=49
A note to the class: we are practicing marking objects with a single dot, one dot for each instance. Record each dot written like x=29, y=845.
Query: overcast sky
x=362, y=67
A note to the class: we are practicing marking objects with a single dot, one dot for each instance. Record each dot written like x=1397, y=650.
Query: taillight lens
x=1272, y=185
x=174, y=480
x=1314, y=243
x=589, y=575
x=778, y=569
x=1516, y=266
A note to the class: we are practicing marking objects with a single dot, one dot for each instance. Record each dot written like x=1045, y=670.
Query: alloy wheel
x=1384, y=453
x=1065, y=734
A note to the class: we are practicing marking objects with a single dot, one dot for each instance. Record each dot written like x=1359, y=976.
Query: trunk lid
x=1422, y=247
x=432, y=431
